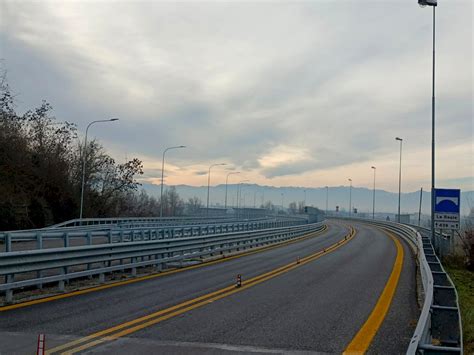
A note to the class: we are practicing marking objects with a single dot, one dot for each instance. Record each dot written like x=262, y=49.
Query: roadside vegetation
x=464, y=282
x=461, y=270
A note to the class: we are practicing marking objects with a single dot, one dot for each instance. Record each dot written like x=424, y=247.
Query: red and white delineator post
x=239, y=281
x=41, y=348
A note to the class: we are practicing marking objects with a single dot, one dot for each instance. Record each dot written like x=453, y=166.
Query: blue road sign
x=447, y=200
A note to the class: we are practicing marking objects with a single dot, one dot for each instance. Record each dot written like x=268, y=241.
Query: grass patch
x=464, y=282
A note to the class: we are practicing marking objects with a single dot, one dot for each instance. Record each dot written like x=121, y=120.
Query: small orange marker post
x=41, y=345
x=239, y=281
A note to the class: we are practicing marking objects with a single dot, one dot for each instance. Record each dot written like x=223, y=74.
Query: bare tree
x=193, y=206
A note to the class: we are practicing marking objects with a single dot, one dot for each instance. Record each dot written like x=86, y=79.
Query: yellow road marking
x=157, y=317
x=164, y=273
x=361, y=342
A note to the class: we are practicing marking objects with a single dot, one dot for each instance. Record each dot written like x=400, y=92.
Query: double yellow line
x=135, y=325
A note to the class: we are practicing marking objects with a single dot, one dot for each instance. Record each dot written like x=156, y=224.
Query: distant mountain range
x=386, y=202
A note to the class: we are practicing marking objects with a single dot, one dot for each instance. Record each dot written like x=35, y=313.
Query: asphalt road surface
x=317, y=306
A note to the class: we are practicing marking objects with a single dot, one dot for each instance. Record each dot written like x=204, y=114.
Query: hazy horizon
x=386, y=201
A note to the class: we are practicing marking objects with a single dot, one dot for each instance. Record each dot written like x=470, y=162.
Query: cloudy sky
x=288, y=93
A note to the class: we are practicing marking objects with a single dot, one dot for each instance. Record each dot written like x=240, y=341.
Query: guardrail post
x=163, y=265
x=61, y=284
x=39, y=245
x=66, y=240
x=39, y=241
x=9, y=293
x=8, y=242
x=89, y=242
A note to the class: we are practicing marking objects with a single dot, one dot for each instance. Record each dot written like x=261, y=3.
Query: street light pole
x=162, y=175
x=304, y=202
x=432, y=3
x=327, y=199
x=373, y=195
x=209, y=185
x=399, y=177
x=239, y=192
x=350, y=197
x=226, y=181
x=84, y=161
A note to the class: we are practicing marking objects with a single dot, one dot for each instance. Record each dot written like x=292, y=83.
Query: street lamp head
x=113, y=119
x=424, y=3
x=398, y=139
x=217, y=164
x=350, y=180
x=374, y=167
x=182, y=146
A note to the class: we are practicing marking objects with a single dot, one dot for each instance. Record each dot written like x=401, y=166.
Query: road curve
x=318, y=306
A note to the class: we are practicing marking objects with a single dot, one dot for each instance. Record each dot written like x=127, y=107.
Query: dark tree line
x=41, y=173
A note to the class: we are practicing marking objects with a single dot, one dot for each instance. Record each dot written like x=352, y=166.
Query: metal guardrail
x=439, y=328
x=118, y=220
x=58, y=265
x=114, y=234
x=164, y=220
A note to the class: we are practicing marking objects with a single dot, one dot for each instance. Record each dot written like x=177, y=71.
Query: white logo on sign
x=454, y=200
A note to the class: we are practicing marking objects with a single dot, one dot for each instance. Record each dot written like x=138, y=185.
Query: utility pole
x=327, y=198
x=399, y=177
x=84, y=154
x=350, y=198
x=419, y=211
x=373, y=195
x=433, y=4
x=163, y=174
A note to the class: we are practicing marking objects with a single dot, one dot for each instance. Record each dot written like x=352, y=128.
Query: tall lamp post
x=399, y=177
x=209, y=184
x=432, y=3
x=350, y=197
x=162, y=174
x=282, y=196
x=373, y=195
x=84, y=161
x=226, y=181
x=327, y=199
x=239, y=192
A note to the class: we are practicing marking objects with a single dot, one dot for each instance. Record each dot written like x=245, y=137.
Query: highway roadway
x=335, y=291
